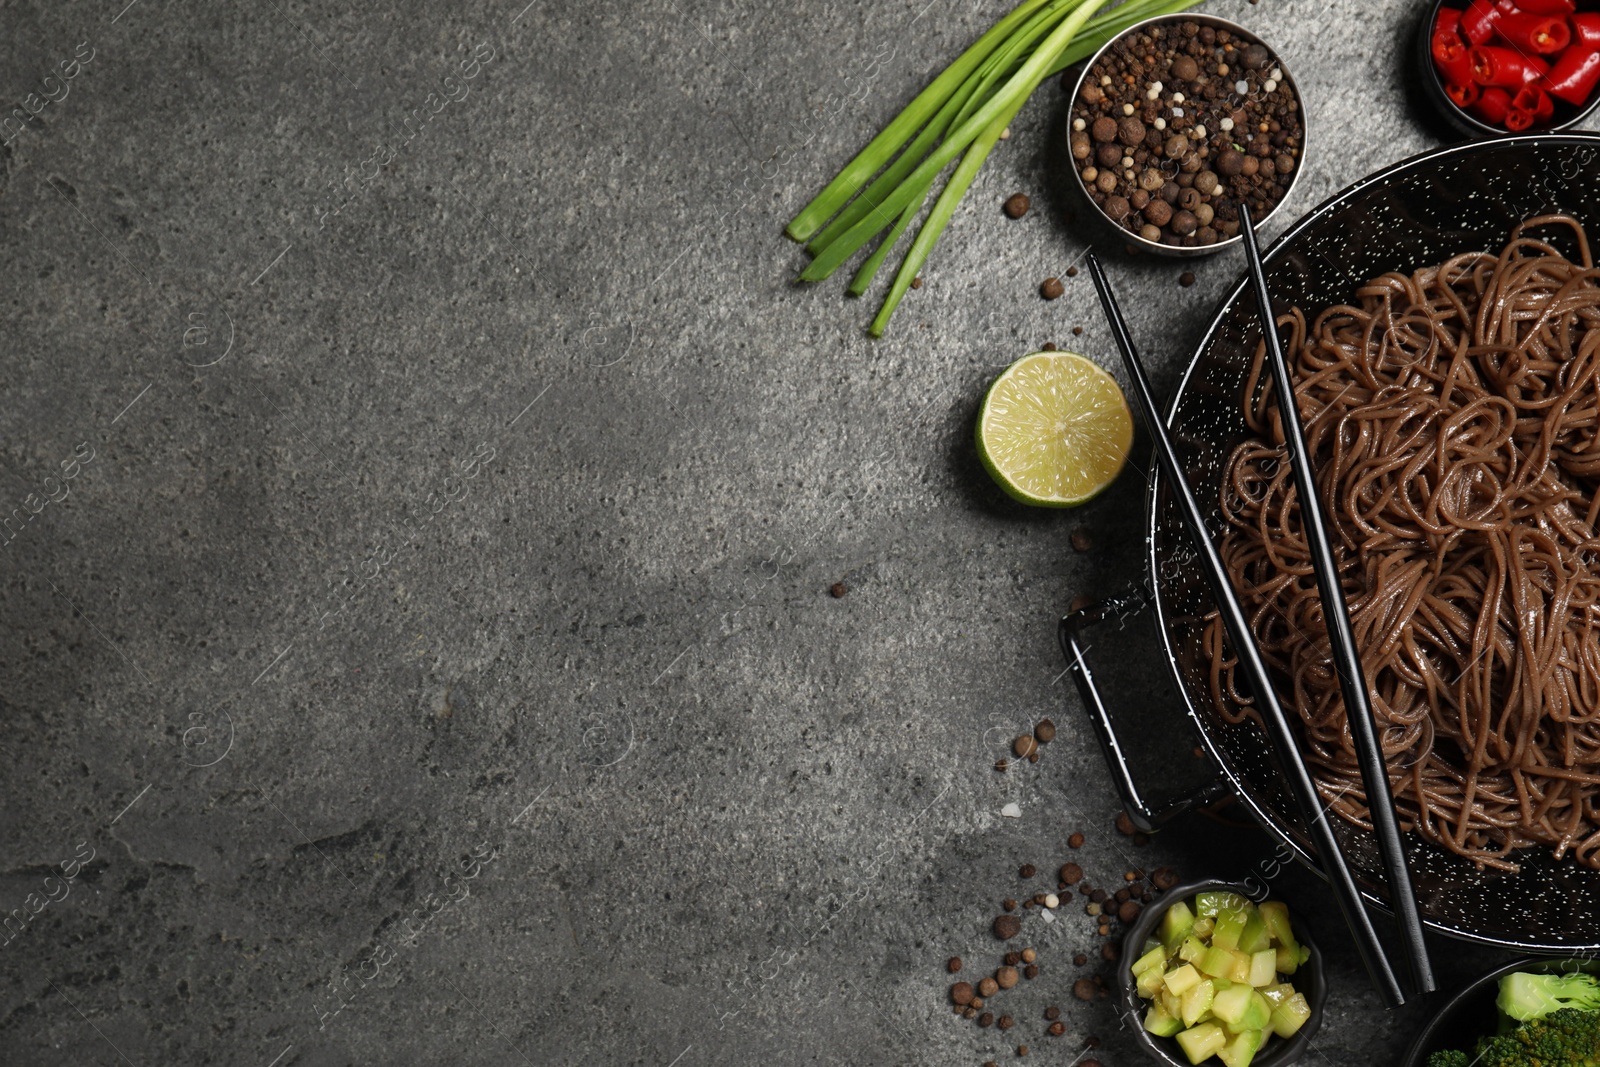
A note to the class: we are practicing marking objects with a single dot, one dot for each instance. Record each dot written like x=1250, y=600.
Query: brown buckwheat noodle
x=1453, y=420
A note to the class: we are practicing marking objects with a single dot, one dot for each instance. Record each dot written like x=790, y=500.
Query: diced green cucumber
x=1200, y=1043
x=1255, y=936
x=1217, y=962
x=1192, y=949
x=1241, y=1008
x=1211, y=902
x=1175, y=925
x=1241, y=968
x=1204, y=925
x=1264, y=967
x=1182, y=979
x=1158, y=1022
x=1275, y=913
x=1230, y=924
x=1170, y=1003
x=1277, y=993
x=1156, y=957
x=1243, y=1048
x=1288, y=959
x=1290, y=1016
x=1230, y=1004
x=1149, y=983
x=1149, y=943
x=1196, y=1001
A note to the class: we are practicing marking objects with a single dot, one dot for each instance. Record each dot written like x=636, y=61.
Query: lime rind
x=1054, y=429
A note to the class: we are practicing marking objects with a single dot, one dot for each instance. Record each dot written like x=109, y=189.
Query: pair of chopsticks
x=1352, y=678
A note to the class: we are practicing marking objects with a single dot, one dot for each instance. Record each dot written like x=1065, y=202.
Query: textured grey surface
x=282, y=665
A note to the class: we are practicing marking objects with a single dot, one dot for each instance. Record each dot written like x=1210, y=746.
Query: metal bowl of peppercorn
x=1174, y=122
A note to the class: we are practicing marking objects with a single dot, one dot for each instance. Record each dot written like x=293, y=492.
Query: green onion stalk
x=961, y=113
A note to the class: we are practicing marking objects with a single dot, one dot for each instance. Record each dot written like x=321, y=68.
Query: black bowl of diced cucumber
x=1210, y=976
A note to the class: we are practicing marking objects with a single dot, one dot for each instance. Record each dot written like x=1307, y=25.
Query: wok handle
x=1073, y=625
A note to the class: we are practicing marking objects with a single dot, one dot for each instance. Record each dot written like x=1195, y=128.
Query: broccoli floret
x=1567, y=1038
x=1449, y=1058
x=1533, y=996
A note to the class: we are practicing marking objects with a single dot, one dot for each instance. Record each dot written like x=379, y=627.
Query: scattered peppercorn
x=838, y=589
x=1186, y=279
x=1129, y=911
x=1057, y=1029
x=1048, y=346
x=1007, y=977
x=1028, y=955
x=1033, y=757
x=1099, y=896
x=961, y=993
x=986, y=1019
x=1109, y=951
x=1001, y=764
x=1075, y=841
x=954, y=964
x=1091, y=908
x=1008, y=904
x=1007, y=926
x=1083, y=989
x=1031, y=971
x=1125, y=824
x=916, y=283
x=1006, y=1022
x=1164, y=878
x=1024, y=746
x=1080, y=959
x=1026, y=871
x=1022, y=1050
x=1017, y=205
x=1104, y=930
x=1044, y=732
x=1071, y=873
x=988, y=987
x=969, y=1013
x=1077, y=331
x=1051, y=288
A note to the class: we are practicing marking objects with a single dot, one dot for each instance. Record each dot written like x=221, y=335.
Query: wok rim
x=1224, y=308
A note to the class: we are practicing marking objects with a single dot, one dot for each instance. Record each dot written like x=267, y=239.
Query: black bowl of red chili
x=1493, y=67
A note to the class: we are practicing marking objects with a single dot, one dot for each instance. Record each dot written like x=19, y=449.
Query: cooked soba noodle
x=1453, y=420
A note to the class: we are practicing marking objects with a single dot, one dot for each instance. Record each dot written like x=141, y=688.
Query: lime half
x=1054, y=429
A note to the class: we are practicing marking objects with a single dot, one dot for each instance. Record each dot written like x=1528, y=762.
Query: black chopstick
x=1279, y=731
x=1336, y=615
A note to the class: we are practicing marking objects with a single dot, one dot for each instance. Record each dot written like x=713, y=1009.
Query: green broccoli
x=1568, y=1037
x=1526, y=996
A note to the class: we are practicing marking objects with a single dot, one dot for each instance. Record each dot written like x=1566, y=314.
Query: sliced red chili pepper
x=1466, y=94
x=1478, y=20
x=1546, y=7
x=1518, y=120
x=1541, y=34
x=1574, y=76
x=1535, y=102
x=1453, y=58
x=1448, y=21
x=1494, y=65
x=1493, y=105
x=1586, y=27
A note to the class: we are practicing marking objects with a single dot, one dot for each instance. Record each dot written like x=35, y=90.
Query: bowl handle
x=1144, y=817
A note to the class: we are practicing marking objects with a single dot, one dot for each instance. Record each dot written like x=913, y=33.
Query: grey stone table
x=430, y=657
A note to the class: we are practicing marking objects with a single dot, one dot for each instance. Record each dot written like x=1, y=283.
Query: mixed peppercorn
x=1177, y=124
x=1517, y=64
